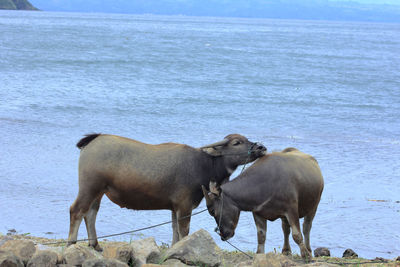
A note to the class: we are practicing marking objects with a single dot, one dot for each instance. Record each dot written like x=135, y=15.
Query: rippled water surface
x=331, y=89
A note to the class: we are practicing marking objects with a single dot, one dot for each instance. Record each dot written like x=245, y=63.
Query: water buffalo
x=140, y=176
x=286, y=185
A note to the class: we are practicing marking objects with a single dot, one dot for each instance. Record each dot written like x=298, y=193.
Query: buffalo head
x=236, y=149
x=224, y=211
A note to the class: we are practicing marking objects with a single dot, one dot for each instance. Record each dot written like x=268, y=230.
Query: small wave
x=26, y=121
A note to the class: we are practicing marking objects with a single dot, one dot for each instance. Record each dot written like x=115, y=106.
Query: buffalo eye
x=236, y=142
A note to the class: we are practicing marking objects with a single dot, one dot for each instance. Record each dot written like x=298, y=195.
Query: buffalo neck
x=221, y=172
x=243, y=196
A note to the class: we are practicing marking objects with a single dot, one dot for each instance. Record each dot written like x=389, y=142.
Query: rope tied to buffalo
x=127, y=232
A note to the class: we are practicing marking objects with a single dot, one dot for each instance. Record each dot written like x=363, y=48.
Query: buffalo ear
x=215, y=189
x=220, y=143
x=212, y=151
x=215, y=148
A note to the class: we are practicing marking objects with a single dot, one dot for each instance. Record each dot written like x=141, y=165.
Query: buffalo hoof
x=96, y=247
x=306, y=255
x=69, y=243
x=286, y=251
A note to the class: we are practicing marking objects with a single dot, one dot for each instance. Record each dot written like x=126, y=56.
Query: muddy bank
x=198, y=249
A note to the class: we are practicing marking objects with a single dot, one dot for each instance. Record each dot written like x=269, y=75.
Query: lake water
x=331, y=89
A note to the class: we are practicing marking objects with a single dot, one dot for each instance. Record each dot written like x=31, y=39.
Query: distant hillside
x=369, y=10
x=16, y=5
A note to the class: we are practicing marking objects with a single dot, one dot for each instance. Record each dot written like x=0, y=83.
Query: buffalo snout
x=226, y=234
x=259, y=148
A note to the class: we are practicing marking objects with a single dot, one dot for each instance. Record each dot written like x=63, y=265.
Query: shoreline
x=229, y=258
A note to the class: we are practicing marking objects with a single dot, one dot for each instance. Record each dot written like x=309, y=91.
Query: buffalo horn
x=206, y=196
x=214, y=188
x=220, y=143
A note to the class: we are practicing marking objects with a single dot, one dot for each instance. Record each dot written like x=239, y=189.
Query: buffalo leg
x=261, y=225
x=175, y=234
x=90, y=221
x=74, y=223
x=78, y=209
x=293, y=219
x=183, y=218
x=286, y=250
x=308, y=219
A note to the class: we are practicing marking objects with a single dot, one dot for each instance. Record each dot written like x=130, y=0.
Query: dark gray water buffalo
x=140, y=176
x=286, y=185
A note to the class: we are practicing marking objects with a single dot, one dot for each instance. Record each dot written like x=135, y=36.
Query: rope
x=238, y=249
x=128, y=232
x=247, y=161
x=217, y=229
x=168, y=222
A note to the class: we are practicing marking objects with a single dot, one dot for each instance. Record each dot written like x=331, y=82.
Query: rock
x=260, y=260
x=321, y=252
x=320, y=264
x=349, y=253
x=398, y=258
x=11, y=232
x=196, y=249
x=174, y=263
x=151, y=265
x=244, y=264
x=104, y=263
x=43, y=258
x=380, y=259
x=272, y=260
x=7, y=258
x=121, y=252
x=4, y=239
x=58, y=250
x=77, y=254
x=145, y=251
x=24, y=249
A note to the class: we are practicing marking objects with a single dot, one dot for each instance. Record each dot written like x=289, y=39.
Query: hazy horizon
x=342, y=10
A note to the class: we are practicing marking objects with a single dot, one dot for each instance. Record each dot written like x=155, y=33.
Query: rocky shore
x=198, y=249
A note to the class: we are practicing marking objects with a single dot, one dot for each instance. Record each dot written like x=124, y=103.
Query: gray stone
x=58, y=250
x=320, y=264
x=260, y=260
x=380, y=259
x=9, y=259
x=77, y=254
x=174, y=263
x=196, y=249
x=4, y=239
x=43, y=258
x=24, y=249
x=121, y=252
x=104, y=263
x=272, y=260
x=145, y=251
x=349, y=253
x=321, y=252
x=243, y=264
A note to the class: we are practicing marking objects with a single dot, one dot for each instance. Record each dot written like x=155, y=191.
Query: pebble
x=349, y=253
x=322, y=251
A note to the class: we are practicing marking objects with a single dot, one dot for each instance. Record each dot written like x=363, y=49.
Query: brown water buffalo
x=286, y=185
x=140, y=176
